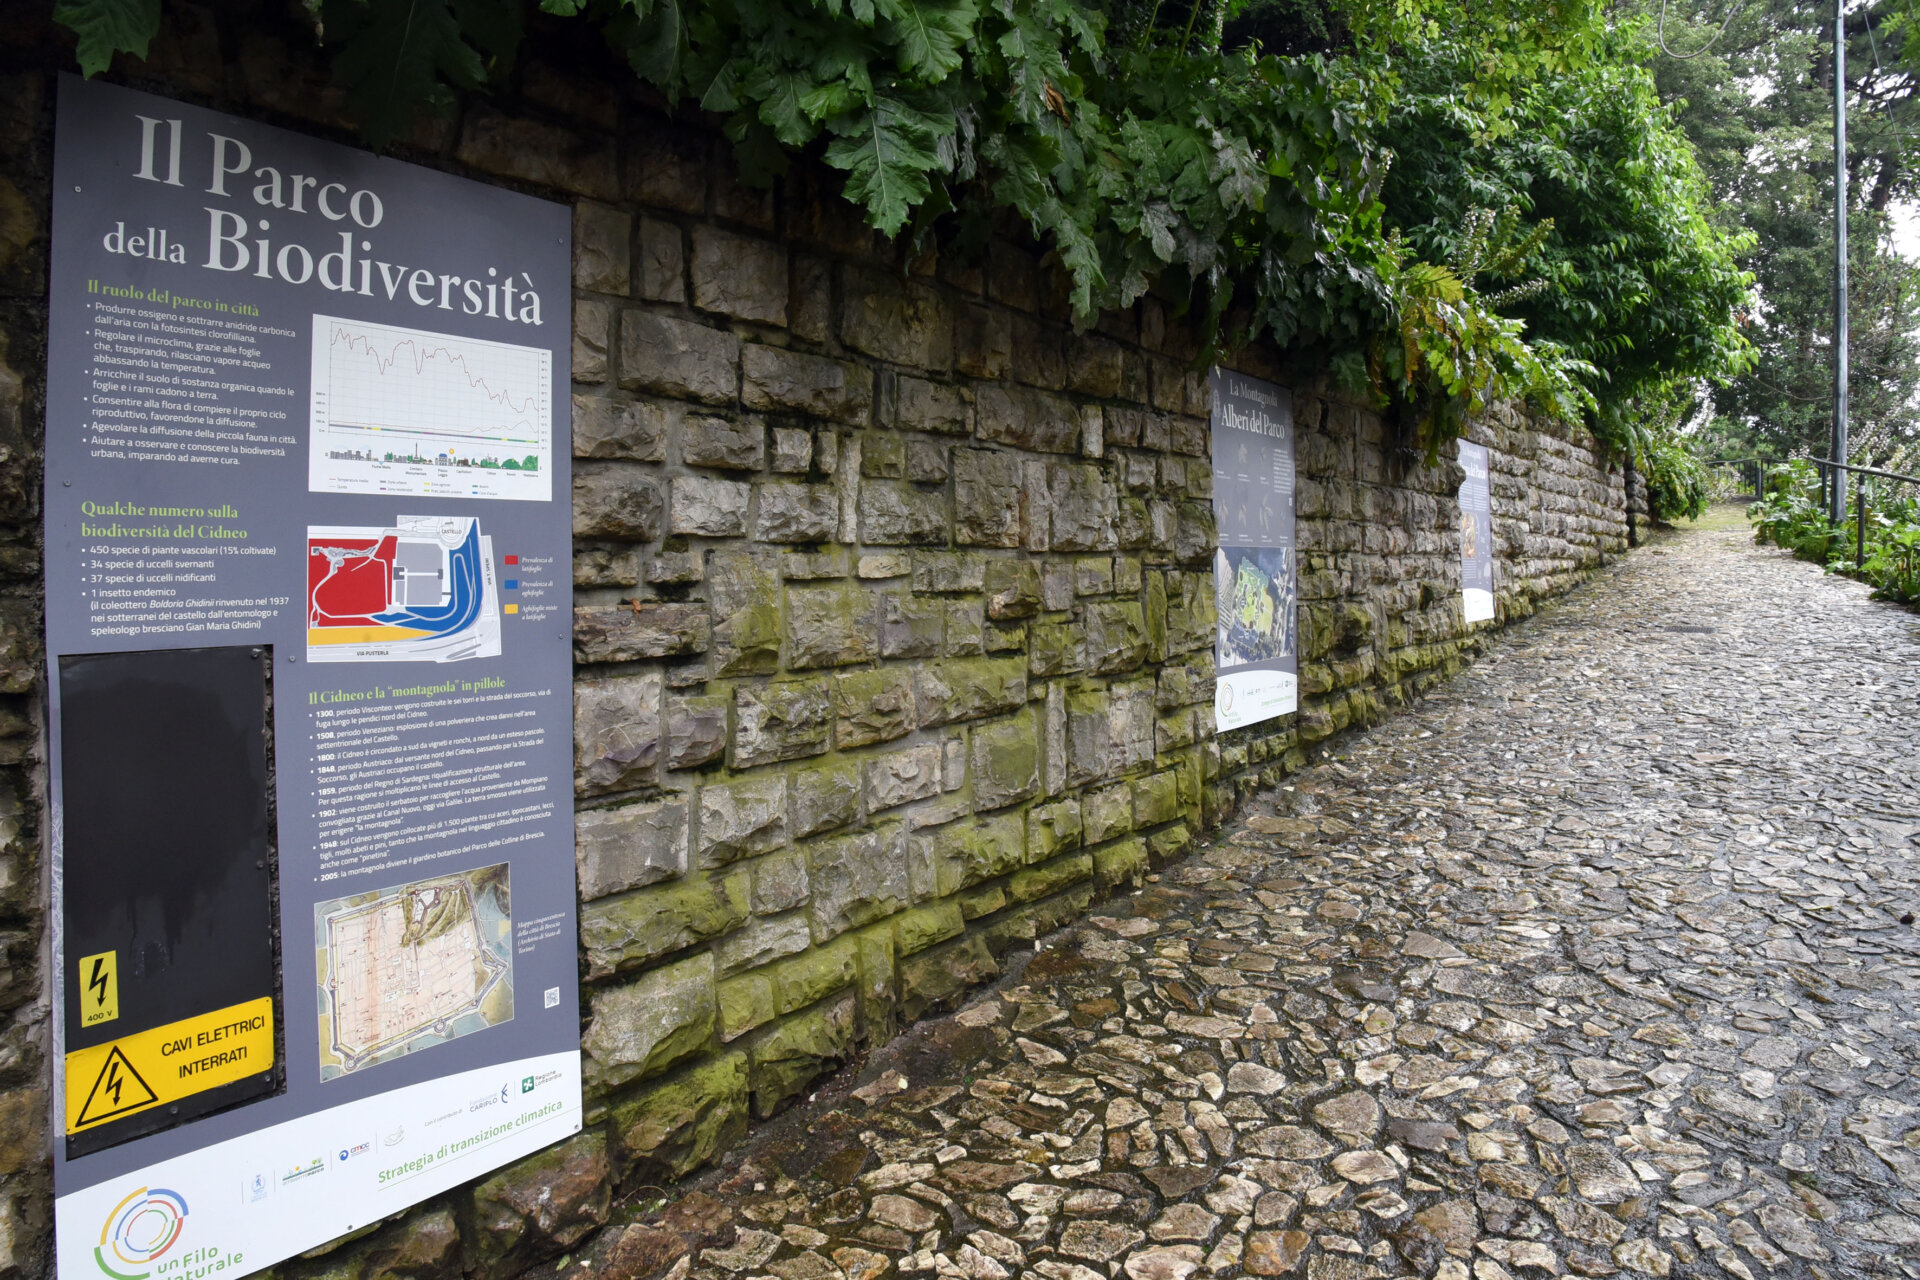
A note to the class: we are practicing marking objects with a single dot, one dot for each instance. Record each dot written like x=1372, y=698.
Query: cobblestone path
x=1600, y=961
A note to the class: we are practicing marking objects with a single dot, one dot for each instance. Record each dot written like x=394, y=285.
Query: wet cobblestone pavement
x=1599, y=961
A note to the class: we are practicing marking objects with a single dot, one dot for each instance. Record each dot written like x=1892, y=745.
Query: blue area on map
x=463, y=605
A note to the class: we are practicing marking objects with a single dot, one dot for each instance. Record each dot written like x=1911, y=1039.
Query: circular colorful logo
x=140, y=1229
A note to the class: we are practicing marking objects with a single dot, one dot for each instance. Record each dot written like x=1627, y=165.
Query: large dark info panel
x=168, y=860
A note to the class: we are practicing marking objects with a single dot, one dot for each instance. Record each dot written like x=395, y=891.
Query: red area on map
x=362, y=584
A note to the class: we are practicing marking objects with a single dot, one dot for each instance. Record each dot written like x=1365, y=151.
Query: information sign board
x=1255, y=576
x=1476, y=532
x=308, y=634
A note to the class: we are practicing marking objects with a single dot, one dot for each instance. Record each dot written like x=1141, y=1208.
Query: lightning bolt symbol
x=98, y=982
x=113, y=1081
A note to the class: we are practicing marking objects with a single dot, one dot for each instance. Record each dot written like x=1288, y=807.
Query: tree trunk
x=1883, y=182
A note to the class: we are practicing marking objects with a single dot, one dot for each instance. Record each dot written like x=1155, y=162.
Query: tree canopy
x=1758, y=107
x=1441, y=201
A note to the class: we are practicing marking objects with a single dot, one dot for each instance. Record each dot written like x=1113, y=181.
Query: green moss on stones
x=1005, y=762
x=745, y=1002
x=1031, y=883
x=1115, y=864
x=624, y=932
x=811, y=975
x=981, y=850
x=938, y=976
x=681, y=1123
x=791, y=1054
x=921, y=927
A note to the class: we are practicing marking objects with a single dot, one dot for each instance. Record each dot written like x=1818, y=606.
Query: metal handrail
x=1859, y=496
x=1866, y=471
x=1757, y=474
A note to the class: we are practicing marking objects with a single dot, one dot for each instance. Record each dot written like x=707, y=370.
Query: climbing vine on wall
x=1139, y=141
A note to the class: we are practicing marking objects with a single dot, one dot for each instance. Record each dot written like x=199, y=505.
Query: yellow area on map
x=151, y=1068
x=99, y=988
x=362, y=635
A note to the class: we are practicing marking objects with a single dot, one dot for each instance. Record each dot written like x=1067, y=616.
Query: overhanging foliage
x=1148, y=149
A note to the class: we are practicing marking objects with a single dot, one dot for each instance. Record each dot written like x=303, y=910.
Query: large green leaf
x=887, y=152
x=931, y=36
x=782, y=97
x=107, y=27
x=652, y=36
x=395, y=56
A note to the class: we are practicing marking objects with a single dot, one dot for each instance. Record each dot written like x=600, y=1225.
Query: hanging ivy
x=1138, y=140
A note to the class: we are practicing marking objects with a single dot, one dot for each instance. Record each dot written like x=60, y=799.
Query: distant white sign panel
x=1476, y=532
x=1256, y=644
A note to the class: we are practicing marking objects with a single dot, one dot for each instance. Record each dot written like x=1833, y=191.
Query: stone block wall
x=893, y=615
x=894, y=612
x=26, y=1207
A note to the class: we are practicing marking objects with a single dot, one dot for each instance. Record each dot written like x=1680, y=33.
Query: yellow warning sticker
x=99, y=988
x=126, y=1076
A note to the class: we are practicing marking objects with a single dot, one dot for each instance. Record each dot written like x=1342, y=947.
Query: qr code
x=553, y=997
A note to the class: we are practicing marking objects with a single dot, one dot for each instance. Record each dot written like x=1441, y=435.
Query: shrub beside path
x=1599, y=961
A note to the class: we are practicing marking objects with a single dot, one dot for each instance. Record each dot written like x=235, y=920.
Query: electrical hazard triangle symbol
x=162, y=1065
x=117, y=1091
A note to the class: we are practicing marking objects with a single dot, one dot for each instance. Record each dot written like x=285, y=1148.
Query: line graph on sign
x=412, y=411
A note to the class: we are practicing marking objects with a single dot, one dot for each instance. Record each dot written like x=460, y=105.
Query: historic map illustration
x=408, y=968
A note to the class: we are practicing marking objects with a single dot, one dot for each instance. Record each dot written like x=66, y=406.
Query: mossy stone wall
x=894, y=611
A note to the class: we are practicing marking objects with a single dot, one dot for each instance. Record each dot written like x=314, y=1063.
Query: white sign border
x=258, y=1198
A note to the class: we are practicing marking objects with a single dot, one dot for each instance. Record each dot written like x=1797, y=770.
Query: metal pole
x=1837, y=512
x=1860, y=513
x=1633, y=536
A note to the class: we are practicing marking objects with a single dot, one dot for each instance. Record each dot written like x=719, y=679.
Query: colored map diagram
x=423, y=590
x=407, y=968
x=409, y=411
